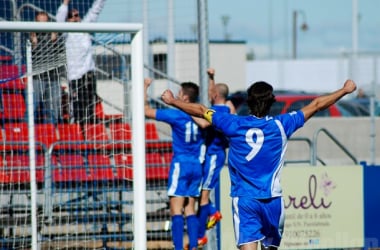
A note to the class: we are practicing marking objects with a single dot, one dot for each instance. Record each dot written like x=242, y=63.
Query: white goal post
x=137, y=109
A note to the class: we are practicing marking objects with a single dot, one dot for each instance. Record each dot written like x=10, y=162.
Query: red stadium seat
x=16, y=135
x=71, y=168
x=2, y=140
x=12, y=107
x=97, y=134
x=15, y=84
x=18, y=168
x=123, y=163
x=167, y=157
x=155, y=167
x=157, y=173
x=153, y=159
x=70, y=133
x=11, y=71
x=100, y=167
x=151, y=136
x=46, y=134
x=121, y=135
x=151, y=132
x=4, y=175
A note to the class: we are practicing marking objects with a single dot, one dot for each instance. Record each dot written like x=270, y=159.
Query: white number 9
x=255, y=145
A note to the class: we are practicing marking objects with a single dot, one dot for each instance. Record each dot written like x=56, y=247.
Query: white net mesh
x=83, y=131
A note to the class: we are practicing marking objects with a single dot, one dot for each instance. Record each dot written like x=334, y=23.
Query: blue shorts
x=212, y=166
x=258, y=220
x=185, y=178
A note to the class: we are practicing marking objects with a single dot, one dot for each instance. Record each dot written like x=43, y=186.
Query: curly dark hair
x=260, y=98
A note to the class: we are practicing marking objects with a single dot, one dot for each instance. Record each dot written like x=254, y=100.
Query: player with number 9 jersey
x=257, y=148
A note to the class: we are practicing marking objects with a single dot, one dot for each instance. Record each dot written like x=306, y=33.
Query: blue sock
x=177, y=231
x=192, y=230
x=202, y=218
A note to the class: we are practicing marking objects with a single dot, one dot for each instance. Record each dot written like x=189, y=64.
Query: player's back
x=256, y=151
x=187, y=137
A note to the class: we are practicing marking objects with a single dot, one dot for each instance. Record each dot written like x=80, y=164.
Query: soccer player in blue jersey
x=257, y=145
x=215, y=157
x=185, y=176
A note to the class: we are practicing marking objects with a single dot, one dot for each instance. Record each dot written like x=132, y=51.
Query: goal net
x=89, y=181
x=80, y=167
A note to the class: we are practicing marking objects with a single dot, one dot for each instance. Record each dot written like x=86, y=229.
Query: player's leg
x=53, y=101
x=203, y=209
x=91, y=97
x=176, y=206
x=192, y=223
x=203, y=213
x=213, y=165
x=76, y=99
x=249, y=246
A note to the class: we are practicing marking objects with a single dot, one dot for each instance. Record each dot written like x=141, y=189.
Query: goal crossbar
x=70, y=27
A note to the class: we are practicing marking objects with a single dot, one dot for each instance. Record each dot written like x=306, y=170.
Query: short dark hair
x=71, y=12
x=191, y=90
x=260, y=98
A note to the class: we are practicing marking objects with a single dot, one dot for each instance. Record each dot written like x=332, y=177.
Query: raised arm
x=325, y=101
x=211, y=85
x=149, y=111
x=93, y=13
x=62, y=11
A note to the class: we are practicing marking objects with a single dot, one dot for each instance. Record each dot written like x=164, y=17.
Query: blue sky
x=266, y=26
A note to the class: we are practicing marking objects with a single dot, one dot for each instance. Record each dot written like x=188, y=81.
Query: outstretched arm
x=325, y=101
x=149, y=111
x=201, y=122
x=193, y=109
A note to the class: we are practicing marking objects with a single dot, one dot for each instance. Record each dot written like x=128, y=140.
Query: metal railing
x=313, y=148
x=335, y=140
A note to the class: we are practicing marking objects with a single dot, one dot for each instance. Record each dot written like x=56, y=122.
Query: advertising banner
x=323, y=208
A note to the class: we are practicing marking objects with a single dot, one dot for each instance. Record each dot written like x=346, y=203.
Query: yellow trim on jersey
x=208, y=115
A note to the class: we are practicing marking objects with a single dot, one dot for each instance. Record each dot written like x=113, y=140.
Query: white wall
x=315, y=75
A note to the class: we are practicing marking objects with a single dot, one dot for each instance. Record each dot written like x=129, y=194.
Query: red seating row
x=73, y=167
x=12, y=106
x=12, y=72
x=99, y=167
x=14, y=169
x=73, y=136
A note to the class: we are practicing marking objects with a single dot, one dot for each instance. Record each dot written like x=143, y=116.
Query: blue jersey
x=185, y=175
x=256, y=151
x=187, y=136
x=215, y=139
